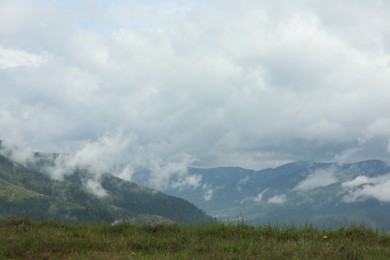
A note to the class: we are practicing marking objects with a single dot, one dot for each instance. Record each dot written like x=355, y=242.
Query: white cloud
x=324, y=130
x=346, y=155
x=122, y=155
x=10, y=58
x=359, y=180
x=220, y=82
x=368, y=188
x=16, y=154
x=277, y=199
x=96, y=188
x=379, y=192
x=208, y=195
x=380, y=127
x=388, y=147
x=319, y=178
x=174, y=174
x=259, y=196
x=99, y=157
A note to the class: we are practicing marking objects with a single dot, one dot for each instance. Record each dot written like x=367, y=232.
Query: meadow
x=27, y=239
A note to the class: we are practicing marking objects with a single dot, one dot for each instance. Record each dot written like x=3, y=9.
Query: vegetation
x=28, y=191
x=26, y=239
x=304, y=191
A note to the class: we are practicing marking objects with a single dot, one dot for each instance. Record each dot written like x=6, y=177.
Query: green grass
x=26, y=239
x=14, y=193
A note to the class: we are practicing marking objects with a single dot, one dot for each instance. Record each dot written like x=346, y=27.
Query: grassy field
x=25, y=239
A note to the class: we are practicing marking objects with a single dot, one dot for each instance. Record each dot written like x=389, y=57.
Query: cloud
x=319, y=178
x=379, y=192
x=368, y=188
x=172, y=174
x=379, y=127
x=96, y=188
x=345, y=155
x=10, y=58
x=259, y=196
x=359, y=180
x=116, y=153
x=388, y=147
x=103, y=155
x=208, y=195
x=277, y=199
x=223, y=83
x=325, y=130
x=16, y=154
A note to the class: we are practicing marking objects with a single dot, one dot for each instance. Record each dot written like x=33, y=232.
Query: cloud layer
x=122, y=155
x=249, y=83
x=368, y=188
x=319, y=178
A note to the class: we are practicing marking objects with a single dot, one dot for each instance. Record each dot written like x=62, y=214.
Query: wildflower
x=325, y=237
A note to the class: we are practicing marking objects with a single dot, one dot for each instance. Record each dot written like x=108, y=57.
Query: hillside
x=28, y=192
x=324, y=194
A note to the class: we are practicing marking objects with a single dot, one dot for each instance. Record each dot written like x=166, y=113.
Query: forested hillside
x=29, y=192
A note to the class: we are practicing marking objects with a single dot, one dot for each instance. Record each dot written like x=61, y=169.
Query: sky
x=177, y=83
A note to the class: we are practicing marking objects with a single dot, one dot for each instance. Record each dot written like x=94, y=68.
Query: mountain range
x=298, y=193
x=29, y=192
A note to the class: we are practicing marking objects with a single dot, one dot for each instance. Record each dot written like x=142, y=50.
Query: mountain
x=323, y=194
x=27, y=191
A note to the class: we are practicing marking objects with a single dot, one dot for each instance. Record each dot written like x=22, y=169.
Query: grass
x=14, y=193
x=26, y=239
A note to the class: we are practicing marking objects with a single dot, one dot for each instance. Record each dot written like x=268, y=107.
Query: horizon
x=11, y=151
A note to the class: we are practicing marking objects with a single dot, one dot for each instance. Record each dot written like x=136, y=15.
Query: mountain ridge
x=68, y=200
x=322, y=193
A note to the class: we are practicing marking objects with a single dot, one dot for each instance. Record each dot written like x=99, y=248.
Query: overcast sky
x=242, y=83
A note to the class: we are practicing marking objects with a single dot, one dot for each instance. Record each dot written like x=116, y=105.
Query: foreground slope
x=24, y=239
x=28, y=192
